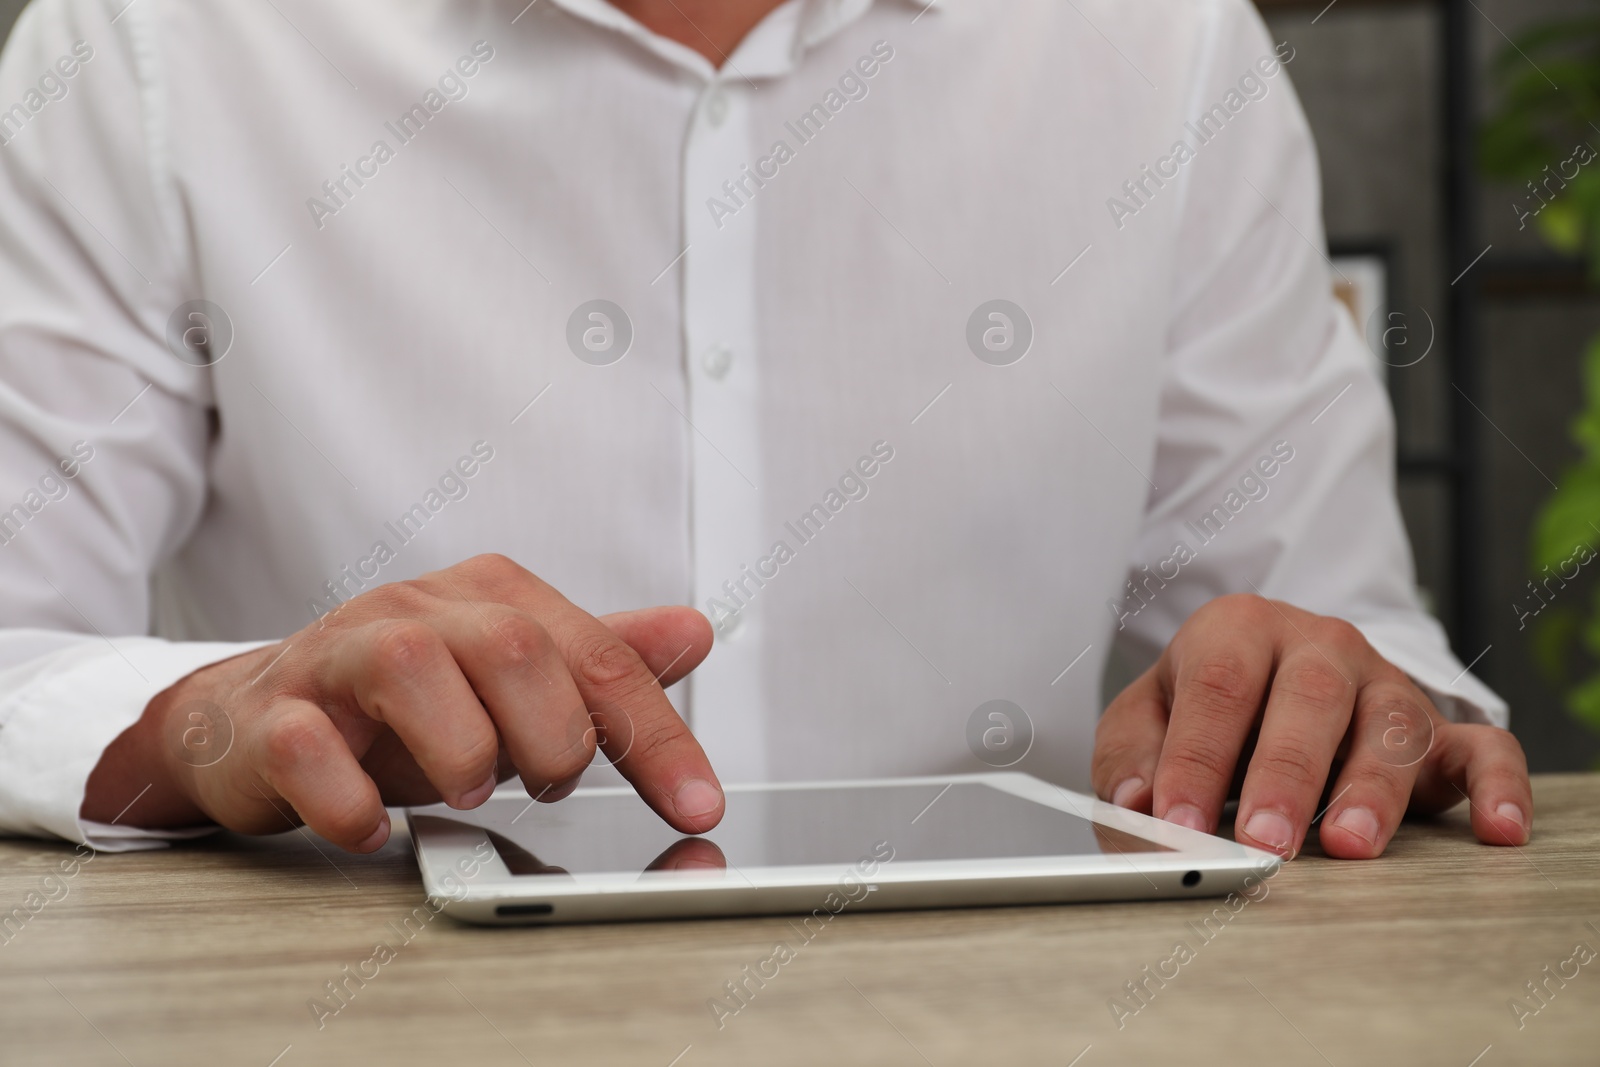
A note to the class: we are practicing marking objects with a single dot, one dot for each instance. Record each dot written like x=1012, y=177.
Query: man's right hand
x=420, y=691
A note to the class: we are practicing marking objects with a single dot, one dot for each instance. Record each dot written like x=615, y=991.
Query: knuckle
x=405, y=648
x=404, y=599
x=1291, y=764
x=494, y=568
x=653, y=740
x=1340, y=636
x=1497, y=747
x=563, y=765
x=1376, y=778
x=1315, y=683
x=605, y=662
x=1199, y=761
x=579, y=734
x=348, y=815
x=1397, y=724
x=471, y=757
x=290, y=742
x=514, y=640
x=1381, y=672
x=1512, y=751
x=1246, y=608
x=1390, y=708
x=562, y=749
x=1222, y=684
x=351, y=823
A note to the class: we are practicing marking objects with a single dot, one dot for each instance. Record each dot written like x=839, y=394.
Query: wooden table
x=209, y=954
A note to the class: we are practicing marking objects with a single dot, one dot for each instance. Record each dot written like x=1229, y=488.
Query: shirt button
x=716, y=361
x=717, y=107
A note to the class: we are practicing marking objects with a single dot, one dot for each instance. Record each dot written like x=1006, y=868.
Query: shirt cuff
x=58, y=714
x=1424, y=654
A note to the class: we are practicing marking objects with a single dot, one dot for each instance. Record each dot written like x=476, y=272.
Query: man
x=387, y=364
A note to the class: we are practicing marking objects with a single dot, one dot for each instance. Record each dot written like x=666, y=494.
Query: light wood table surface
x=208, y=955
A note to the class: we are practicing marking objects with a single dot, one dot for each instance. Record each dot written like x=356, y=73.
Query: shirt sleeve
x=104, y=432
x=1274, y=465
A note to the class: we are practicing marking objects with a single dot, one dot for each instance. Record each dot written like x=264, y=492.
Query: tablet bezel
x=446, y=857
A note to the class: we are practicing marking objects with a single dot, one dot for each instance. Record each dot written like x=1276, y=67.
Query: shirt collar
x=771, y=49
x=824, y=18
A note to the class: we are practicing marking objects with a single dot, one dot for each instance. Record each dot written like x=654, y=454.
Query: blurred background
x=1462, y=200
x=1432, y=118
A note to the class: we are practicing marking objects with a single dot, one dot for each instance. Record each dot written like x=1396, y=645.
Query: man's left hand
x=1288, y=701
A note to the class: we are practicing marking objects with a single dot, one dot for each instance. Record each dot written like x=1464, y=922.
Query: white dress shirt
x=799, y=407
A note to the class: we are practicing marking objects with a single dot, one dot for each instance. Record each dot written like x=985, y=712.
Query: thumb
x=672, y=640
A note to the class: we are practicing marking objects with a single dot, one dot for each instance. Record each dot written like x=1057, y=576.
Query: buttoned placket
x=722, y=368
x=721, y=203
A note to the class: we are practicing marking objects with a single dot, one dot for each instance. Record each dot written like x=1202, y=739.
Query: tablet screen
x=603, y=834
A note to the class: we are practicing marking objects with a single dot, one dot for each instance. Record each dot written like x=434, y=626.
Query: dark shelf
x=1531, y=277
x=1319, y=5
x=1424, y=465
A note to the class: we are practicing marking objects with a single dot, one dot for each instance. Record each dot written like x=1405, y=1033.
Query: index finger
x=636, y=725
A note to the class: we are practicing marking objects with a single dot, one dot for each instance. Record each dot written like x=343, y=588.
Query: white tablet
x=814, y=848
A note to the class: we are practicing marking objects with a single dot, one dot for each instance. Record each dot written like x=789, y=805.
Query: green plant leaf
x=1563, y=226
x=1554, y=636
x=1586, y=427
x=1584, y=703
x=1591, y=629
x=1562, y=528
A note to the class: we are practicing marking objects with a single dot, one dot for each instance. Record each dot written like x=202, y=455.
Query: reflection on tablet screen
x=590, y=834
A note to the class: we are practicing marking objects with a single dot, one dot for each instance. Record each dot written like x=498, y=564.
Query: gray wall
x=1369, y=76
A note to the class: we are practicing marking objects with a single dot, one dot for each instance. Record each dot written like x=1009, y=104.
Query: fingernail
x=1271, y=829
x=560, y=791
x=1187, y=815
x=1510, y=811
x=697, y=797
x=1126, y=791
x=1358, y=821
x=478, y=795
x=377, y=838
